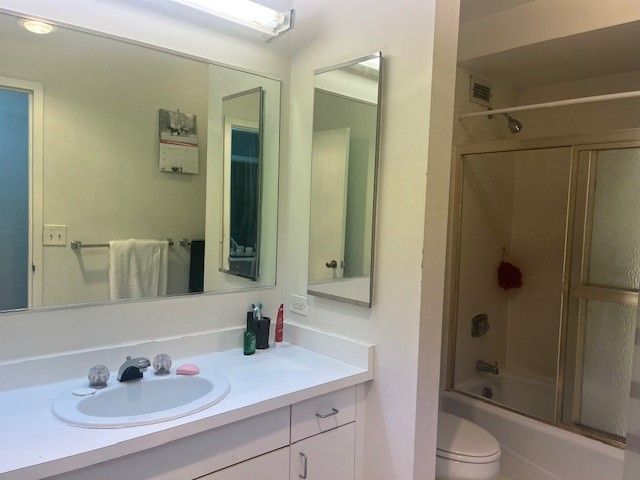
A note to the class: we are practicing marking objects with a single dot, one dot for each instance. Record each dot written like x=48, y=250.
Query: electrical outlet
x=298, y=304
x=54, y=235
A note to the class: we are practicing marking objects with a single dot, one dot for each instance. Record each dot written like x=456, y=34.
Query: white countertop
x=34, y=444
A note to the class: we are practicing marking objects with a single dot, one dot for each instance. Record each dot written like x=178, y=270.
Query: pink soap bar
x=188, y=369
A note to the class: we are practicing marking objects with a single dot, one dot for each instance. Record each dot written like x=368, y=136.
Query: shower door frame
x=577, y=143
x=581, y=288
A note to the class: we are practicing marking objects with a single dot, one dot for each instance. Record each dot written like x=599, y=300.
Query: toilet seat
x=460, y=440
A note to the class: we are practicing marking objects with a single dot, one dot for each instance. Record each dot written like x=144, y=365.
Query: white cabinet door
x=272, y=466
x=328, y=456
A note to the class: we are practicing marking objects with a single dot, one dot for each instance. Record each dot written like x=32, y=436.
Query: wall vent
x=480, y=91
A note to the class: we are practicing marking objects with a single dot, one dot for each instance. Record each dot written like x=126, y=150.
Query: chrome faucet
x=482, y=366
x=133, y=368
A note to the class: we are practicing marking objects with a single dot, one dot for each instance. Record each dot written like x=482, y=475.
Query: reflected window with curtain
x=245, y=190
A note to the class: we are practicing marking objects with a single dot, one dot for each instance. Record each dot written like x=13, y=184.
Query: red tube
x=280, y=325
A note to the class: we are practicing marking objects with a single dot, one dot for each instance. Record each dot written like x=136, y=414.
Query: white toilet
x=465, y=451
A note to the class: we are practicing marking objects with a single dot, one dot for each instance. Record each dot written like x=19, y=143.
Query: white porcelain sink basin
x=151, y=399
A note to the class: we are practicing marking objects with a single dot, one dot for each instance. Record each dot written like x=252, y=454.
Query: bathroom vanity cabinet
x=328, y=455
x=314, y=440
x=285, y=405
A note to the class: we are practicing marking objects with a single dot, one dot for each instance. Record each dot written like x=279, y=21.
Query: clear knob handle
x=162, y=364
x=98, y=376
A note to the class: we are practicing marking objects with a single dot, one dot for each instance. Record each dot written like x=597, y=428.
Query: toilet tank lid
x=461, y=437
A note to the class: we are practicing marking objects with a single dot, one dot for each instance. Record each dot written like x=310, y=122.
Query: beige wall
x=537, y=248
x=101, y=175
x=595, y=117
x=503, y=209
x=539, y=21
x=480, y=129
x=486, y=229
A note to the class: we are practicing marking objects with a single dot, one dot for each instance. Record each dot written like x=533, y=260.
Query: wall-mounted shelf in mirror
x=346, y=131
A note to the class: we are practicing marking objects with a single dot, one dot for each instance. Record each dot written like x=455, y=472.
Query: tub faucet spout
x=482, y=366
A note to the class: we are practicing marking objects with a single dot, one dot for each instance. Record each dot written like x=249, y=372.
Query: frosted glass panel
x=615, y=241
x=606, y=376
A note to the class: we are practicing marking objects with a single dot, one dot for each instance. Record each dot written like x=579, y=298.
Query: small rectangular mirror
x=240, y=247
x=343, y=180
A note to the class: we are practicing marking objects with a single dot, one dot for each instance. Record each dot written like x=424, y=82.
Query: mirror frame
x=376, y=168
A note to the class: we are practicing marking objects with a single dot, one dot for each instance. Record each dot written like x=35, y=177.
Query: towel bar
x=77, y=244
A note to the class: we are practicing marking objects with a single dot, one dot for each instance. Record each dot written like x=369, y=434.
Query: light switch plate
x=298, y=304
x=54, y=235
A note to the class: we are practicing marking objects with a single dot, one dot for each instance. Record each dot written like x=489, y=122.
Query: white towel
x=138, y=268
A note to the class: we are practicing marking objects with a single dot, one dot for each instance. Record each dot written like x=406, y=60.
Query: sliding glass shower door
x=604, y=290
x=545, y=279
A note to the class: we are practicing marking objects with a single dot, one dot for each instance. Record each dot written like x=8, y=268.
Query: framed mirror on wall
x=117, y=155
x=346, y=117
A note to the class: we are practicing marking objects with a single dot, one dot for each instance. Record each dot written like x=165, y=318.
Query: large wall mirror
x=343, y=180
x=130, y=172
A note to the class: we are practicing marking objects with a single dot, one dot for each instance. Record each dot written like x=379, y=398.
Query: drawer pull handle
x=334, y=411
x=305, y=461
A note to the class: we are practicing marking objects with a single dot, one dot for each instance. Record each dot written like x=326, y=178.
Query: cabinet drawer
x=272, y=466
x=320, y=414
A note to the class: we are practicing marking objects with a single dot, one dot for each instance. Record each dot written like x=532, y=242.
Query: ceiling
x=592, y=54
x=472, y=9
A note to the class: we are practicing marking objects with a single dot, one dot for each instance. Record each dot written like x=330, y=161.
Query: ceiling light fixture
x=38, y=27
x=268, y=21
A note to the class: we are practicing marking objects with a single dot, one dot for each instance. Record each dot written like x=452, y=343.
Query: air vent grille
x=480, y=91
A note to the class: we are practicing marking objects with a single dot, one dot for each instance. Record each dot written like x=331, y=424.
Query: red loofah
x=509, y=276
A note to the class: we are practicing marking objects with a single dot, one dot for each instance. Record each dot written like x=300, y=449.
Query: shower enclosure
x=561, y=216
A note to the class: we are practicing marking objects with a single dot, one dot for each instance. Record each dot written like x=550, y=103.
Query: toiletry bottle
x=280, y=326
x=262, y=333
x=249, y=338
x=262, y=329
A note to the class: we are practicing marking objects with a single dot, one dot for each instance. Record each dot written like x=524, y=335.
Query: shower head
x=514, y=125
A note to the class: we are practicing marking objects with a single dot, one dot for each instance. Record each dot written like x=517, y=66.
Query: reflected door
x=329, y=178
x=14, y=199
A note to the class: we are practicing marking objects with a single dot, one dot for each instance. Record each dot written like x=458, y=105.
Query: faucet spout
x=482, y=366
x=133, y=368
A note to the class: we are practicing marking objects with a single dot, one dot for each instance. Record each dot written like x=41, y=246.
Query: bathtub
x=533, y=450
x=533, y=396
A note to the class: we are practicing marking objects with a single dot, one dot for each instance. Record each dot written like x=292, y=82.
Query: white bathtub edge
x=561, y=453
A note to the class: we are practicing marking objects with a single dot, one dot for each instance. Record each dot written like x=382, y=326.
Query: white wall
x=329, y=32
x=24, y=334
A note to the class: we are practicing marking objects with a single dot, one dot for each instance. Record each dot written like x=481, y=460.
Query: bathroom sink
x=151, y=399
